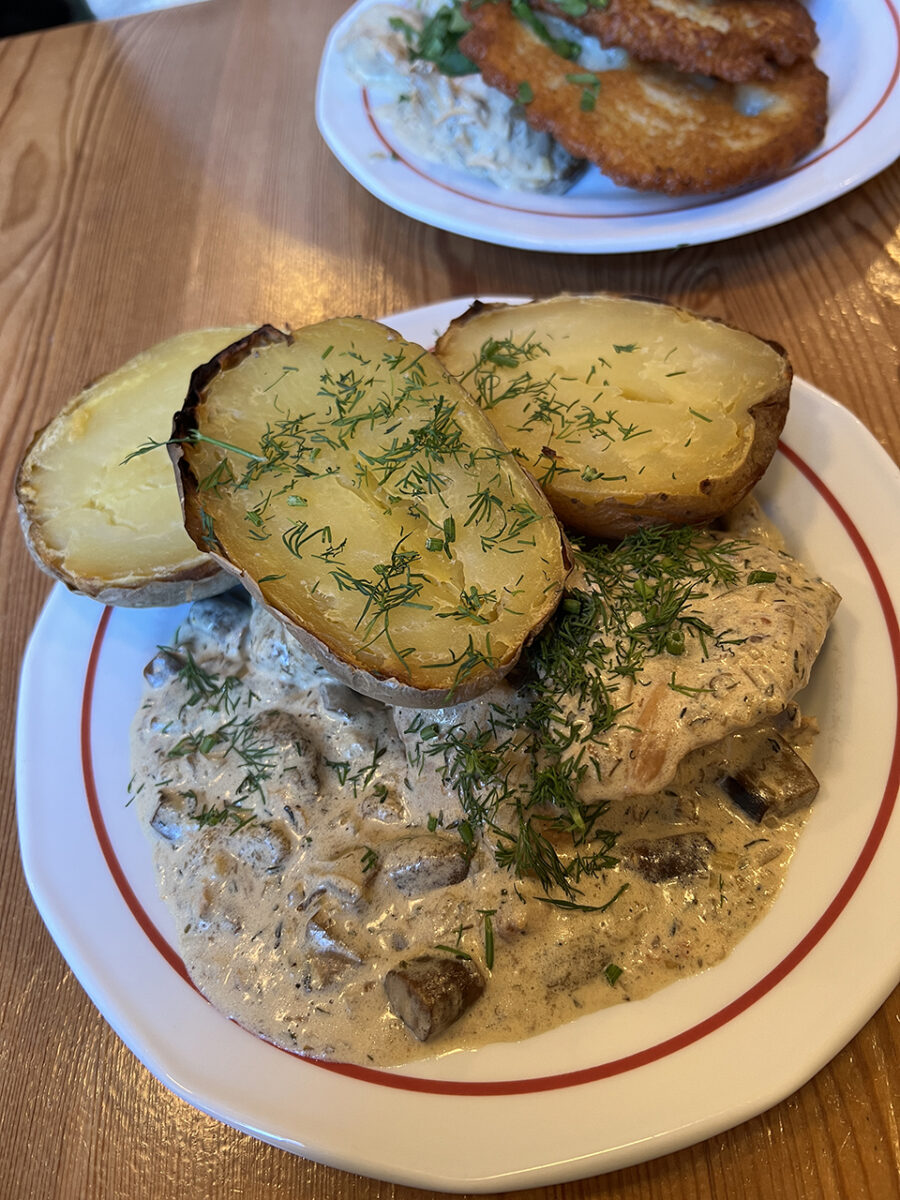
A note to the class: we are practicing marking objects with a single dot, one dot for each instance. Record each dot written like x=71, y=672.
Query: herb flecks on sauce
x=291, y=908
x=518, y=774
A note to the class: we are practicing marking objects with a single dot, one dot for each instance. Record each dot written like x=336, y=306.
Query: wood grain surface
x=165, y=172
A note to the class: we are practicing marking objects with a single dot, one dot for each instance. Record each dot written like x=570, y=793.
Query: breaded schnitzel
x=648, y=126
x=735, y=40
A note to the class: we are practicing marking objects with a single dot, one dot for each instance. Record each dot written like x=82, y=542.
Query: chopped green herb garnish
x=637, y=603
x=438, y=41
x=564, y=47
x=612, y=973
x=487, y=915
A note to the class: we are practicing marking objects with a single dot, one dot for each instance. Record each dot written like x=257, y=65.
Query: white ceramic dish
x=859, y=51
x=633, y=1082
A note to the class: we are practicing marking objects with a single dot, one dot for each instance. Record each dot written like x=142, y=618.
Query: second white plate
x=859, y=51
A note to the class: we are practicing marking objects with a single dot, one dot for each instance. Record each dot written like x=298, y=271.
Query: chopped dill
x=635, y=602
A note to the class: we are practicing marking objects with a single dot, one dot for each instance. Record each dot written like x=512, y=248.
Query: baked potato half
x=105, y=524
x=358, y=492
x=628, y=412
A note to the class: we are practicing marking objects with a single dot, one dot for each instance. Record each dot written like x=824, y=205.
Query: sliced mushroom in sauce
x=674, y=857
x=163, y=667
x=174, y=813
x=422, y=862
x=430, y=993
x=768, y=778
x=224, y=618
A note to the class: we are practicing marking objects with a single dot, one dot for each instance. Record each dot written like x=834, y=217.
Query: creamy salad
x=454, y=120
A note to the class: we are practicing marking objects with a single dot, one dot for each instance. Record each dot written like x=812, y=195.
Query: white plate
x=859, y=51
x=608, y=1090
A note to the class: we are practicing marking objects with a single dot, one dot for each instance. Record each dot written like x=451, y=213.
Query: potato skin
x=167, y=589
x=385, y=687
x=595, y=509
x=185, y=421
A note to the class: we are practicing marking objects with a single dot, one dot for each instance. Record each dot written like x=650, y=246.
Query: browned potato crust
x=734, y=40
x=651, y=127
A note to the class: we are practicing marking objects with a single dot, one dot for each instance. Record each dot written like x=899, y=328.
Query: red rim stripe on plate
x=614, y=216
x=617, y=1066
x=115, y=867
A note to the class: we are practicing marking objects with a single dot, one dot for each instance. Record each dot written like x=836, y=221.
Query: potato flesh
x=628, y=393
x=103, y=518
x=407, y=538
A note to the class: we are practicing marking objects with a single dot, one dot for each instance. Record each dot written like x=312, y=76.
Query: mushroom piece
x=770, y=779
x=163, y=667
x=671, y=857
x=262, y=845
x=173, y=812
x=344, y=878
x=429, y=993
x=340, y=699
x=422, y=862
x=331, y=948
x=222, y=618
x=329, y=931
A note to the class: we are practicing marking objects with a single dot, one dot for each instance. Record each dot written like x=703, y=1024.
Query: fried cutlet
x=735, y=40
x=652, y=127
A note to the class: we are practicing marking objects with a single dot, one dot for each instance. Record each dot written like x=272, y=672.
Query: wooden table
x=163, y=173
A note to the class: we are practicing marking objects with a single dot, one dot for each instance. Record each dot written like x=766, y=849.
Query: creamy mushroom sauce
x=306, y=843
x=456, y=120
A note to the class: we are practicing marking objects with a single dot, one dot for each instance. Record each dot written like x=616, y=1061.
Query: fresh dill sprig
x=229, y=812
x=204, y=687
x=191, y=438
x=391, y=585
x=517, y=774
x=257, y=754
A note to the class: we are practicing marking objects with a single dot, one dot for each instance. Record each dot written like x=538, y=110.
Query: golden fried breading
x=652, y=127
x=736, y=40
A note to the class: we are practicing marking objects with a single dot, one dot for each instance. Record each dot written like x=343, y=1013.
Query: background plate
x=859, y=51
x=635, y=1081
